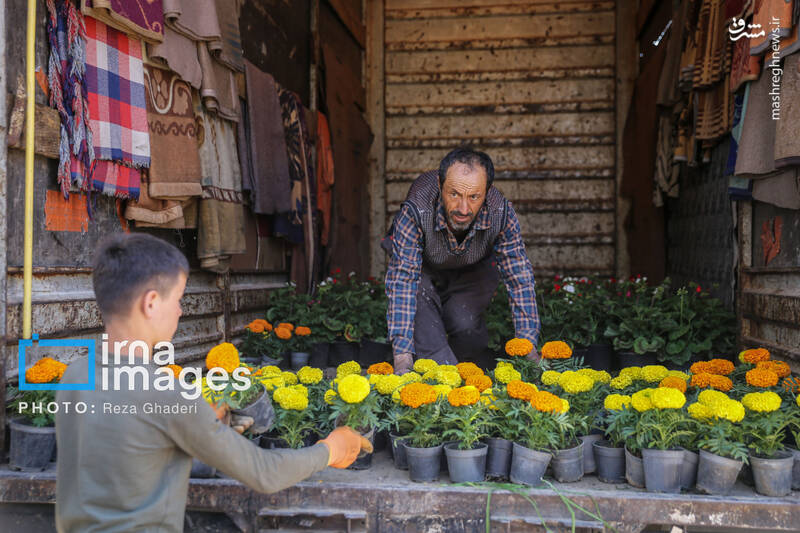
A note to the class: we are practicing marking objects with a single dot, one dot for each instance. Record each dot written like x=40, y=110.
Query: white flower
x=569, y=288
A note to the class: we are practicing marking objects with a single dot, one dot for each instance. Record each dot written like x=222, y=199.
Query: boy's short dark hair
x=127, y=264
x=469, y=157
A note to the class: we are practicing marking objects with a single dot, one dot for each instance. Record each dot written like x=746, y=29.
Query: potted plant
x=636, y=325
x=663, y=428
x=391, y=418
x=300, y=347
x=293, y=419
x=464, y=420
x=32, y=429
x=567, y=463
x=764, y=429
x=600, y=352
x=619, y=419
x=256, y=343
x=501, y=433
x=424, y=441
x=722, y=452
x=355, y=404
x=375, y=346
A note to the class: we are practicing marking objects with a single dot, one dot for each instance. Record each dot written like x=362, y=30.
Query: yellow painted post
x=27, y=264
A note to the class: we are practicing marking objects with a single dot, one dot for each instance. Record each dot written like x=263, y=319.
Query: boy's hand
x=344, y=445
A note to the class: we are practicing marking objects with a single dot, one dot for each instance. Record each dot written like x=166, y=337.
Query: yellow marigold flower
x=762, y=402
x=417, y=394
x=302, y=331
x=411, y=377
x=380, y=368
x=468, y=369
x=667, y=398
x=678, y=374
x=463, y=396
x=506, y=374
x=224, y=356
x=480, y=382
x=797, y=401
x=388, y=384
x=270, y=371
x=345, y=369
x=550, y=377
x=673, y=382
x=396, y=395
x=448, y=378
x=423, y=365
x=779, y=367
x=373, y=378
x=353, y=388
x=442, y=390
x=712, y=398
x=503, y=364
x=556, y=350
x=286, y=325
x=547, y=402
x=330, y=394
x=640, y=400
x=654, y=373
x=754, y=356
x=273, y=383
x=615, y=402
x=620, y=382
x=574, y=383
x=448, y=368
x=633, y=372
x=289, y=378
x=309, y=376
x=487, y=398
x=699, y=411
x=731, y=410
x=520, y=390
x=519, y=347
x=430, y=375
x=291, y=398
x=283, y=333
x=598, y=376
x=761, y=377
x=564, y=405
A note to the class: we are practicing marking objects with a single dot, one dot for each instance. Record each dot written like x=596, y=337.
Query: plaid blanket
x=110, y=177
x=115, y=81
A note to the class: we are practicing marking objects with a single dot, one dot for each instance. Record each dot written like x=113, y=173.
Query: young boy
x=120, y=468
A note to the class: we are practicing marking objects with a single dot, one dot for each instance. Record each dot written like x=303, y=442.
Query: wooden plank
x=588, y=258
x=567, y=224
x=528, y=159
x=505, y=9
x=520, y=27
x=517, y=59
x=492, y=125
x=47, y=132
x=376, y=118
x=499, y=43
x=350, y=14
x=393, y=5
x=509, y=93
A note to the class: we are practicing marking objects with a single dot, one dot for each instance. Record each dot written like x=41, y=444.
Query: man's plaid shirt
x=405, y=268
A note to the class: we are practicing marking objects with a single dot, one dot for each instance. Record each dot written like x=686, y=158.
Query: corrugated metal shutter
x=531, y=83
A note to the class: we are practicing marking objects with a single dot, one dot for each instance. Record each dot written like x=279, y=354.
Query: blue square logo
x=57, y=343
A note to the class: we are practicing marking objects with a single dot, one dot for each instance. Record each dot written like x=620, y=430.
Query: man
x=124, y=468
x=453, y=233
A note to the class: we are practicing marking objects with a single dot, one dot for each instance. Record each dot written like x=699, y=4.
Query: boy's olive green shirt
x=129, y=471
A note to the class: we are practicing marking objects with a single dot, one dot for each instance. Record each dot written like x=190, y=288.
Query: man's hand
x=534, y=356
x=240, y=424
x=344, y=445
x=403, y=362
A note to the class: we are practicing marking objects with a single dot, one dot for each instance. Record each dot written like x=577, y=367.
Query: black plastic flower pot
x=381, y=441
x=796, y=469
x=689, y=469
x=568, y=464
x=465, y=466
x=716, y=474
x=634, y=469
x=318, y=358
x=773, y=475
x=342, y=351
x=201, y=470
x=600, y=357
x=498, y=458
x=424, y=463
x=581, y=352
x=610, y=462
x=528, y=466
x=398, y=451
x=372, y=352
x=260, y=411
x=272, y=443
x=443, y=463
x=746, y=476
x=662, y=470
x=364, y=460
x=589, y=465
x=627, y=359
x=30, y=447
x=299, y=360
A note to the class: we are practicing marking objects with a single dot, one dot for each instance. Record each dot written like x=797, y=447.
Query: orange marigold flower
x=792, y=384
x=45, y=370
x=479, y=381
x=547, y=402
x=224, y=356
x=754, y=356
x=720, y=367
x=383, y=369
x=256, y=326
x=779, y=367
x=721, y=383
x=761, y=377
x=701, y=381
x=519, y=347
x=302, y=331
x=416, y=394
x=673, y=382
x=468, y=369
x=175, y=369
x=463, y=396
x=287, y=325
x=283, y=333
x=556, y=350
x=520, y=390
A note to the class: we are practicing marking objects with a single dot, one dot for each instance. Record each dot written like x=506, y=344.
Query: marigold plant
x=615, y=402
x=463, y=396
x=417, y=394
x=353, y=388
x=448, y=378
x=259, y=325
x=673, y=382
x=45, y=370
x=506, y=374
x=286, y=325
x=632, y=372
x=520, y=390
x=442, y=390
x=556, y=350
x=380, y=368
x=518, y=347
x=347, y=368
x=720, y=367
x=761, y=377
x=762, y=402
x=481, y=382
x=621, y=382
x=575, y=383
x=309, y=375
x=302, y=331
x=754, y=355
x=423, y=365
x=224, y=356
x=175, y=370
x=547, y=402
x=779, y=367
x=640, y=400
x=468, y=369
x=283, y=333
x=667, y=398
x=654, y=373
x=550, y=377
x=387, y=384
x=289, y=378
